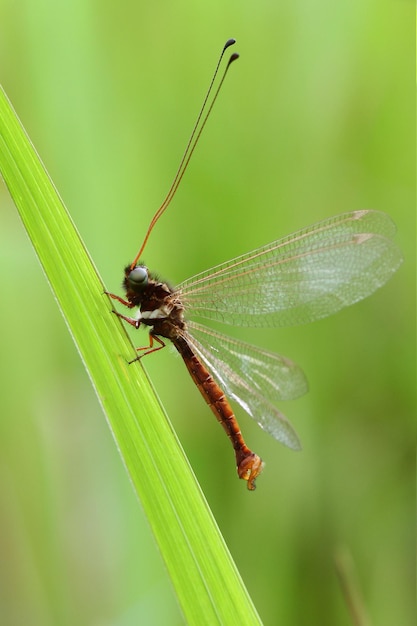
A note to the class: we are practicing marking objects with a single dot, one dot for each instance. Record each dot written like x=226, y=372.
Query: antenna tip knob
x=228, y=43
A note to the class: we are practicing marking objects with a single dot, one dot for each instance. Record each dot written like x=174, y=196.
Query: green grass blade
x=205, y=578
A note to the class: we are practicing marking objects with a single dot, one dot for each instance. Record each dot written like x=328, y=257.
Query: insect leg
x=149, y=349
x=119, y=299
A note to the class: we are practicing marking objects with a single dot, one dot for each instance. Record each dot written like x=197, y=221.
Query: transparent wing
x=253, y=377
x=306, y=276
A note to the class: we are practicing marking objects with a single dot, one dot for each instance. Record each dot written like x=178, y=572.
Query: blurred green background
x=316, y=118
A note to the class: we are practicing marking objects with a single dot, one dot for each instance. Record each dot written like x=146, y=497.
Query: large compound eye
x=138, y=277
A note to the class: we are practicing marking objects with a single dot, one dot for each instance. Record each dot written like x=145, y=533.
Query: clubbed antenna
x=192, y=142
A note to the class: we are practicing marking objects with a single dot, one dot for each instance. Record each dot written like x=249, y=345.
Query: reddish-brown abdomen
x=249, y=464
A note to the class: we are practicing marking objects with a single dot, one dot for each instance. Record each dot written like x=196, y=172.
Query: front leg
x=130, y=320
x=119, y=299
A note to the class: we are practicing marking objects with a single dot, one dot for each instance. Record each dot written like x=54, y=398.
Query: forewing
x=253, y=377
x=306, y=276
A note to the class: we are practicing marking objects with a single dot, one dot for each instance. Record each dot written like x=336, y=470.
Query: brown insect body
x=306, y=276
x=161, y=309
